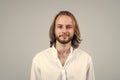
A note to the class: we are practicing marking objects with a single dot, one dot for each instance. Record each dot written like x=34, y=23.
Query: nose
x=64, y=30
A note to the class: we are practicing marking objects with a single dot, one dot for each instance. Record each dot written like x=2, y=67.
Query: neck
x=63, y=51
x=63, y=48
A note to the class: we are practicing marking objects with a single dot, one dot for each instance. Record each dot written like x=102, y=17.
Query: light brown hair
x=76, y=38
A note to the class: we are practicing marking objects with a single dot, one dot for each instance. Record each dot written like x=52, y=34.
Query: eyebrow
x=66, y=25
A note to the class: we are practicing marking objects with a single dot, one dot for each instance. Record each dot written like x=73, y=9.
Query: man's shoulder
x=42, y=54
x=82, y=52
x=83, y=56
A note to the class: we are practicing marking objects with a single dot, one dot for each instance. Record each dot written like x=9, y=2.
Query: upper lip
x=63, y=35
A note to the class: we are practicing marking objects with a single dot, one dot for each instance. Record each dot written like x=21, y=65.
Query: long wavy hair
x=76, y=38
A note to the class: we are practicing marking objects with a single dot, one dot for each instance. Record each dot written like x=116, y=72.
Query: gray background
x=24, y=27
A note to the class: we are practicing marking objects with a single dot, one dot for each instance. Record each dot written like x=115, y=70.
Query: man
x=63, y=60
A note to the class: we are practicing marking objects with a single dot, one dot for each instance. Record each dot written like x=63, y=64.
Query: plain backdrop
x=24, y=26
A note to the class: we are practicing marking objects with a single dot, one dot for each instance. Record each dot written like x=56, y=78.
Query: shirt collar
x=55, y=54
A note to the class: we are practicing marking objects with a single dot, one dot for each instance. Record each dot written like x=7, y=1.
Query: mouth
x=63, y=36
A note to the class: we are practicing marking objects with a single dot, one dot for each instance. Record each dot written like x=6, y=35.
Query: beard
x=63, y=41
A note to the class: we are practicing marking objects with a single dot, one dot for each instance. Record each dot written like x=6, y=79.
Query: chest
x=62, y=59
x=75, y=69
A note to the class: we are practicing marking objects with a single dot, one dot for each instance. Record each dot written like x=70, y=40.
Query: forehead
x=64, y=19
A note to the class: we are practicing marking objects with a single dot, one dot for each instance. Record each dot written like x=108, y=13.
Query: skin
x=64, y=31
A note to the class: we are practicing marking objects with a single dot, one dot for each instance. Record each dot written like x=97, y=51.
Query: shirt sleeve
x=90, y=72
x=35, y=72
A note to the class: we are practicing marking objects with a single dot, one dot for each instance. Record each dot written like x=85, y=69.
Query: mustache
x=64, y=34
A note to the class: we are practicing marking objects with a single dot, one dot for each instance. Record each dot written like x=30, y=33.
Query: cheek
x=72, y=32
x=58, y=32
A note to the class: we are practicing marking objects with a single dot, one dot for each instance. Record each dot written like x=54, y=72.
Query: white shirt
x=78, y=66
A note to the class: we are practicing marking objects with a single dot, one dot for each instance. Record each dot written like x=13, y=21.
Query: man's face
x=64, y=29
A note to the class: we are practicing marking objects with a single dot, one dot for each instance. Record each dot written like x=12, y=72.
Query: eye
x=69, y=26
x=59, y=26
